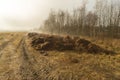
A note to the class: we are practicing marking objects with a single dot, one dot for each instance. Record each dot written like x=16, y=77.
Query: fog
x=20, y=15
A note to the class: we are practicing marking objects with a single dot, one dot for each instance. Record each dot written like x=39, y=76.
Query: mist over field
x=30, y=14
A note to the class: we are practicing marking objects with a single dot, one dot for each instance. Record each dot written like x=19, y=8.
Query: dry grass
x=78, y=66
x=19, y=61
x=88, y=66
x=110, y=44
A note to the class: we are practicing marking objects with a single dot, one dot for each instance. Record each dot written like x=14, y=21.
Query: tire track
x=26, y=54
x=27, y=72
x=8, y=59
x=20, y=62
x=3, y=46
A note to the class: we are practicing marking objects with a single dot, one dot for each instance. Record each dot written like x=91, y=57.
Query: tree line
x=102, y=21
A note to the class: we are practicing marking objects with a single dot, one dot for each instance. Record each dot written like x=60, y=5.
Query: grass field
x=19, y=61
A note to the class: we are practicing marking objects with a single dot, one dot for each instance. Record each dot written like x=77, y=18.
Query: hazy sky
x=28, y=14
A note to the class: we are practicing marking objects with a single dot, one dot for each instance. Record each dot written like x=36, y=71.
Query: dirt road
x=16, y=62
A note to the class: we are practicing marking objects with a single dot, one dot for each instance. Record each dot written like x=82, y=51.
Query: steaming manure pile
x=55, y=42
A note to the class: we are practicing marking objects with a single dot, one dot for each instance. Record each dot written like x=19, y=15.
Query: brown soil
x=55, y=42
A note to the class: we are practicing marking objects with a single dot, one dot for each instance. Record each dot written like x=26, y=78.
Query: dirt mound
x=54, y=42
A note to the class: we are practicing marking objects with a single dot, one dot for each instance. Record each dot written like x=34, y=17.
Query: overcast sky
x=28, y=14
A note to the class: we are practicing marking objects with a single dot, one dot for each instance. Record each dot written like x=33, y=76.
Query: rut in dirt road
x=16, y=62
x=9, y=59
x=4, y=45
x=27, y=72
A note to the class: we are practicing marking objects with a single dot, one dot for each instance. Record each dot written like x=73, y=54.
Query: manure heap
x=46, y=42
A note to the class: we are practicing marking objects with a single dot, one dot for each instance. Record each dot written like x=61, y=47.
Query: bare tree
x=104, y=21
